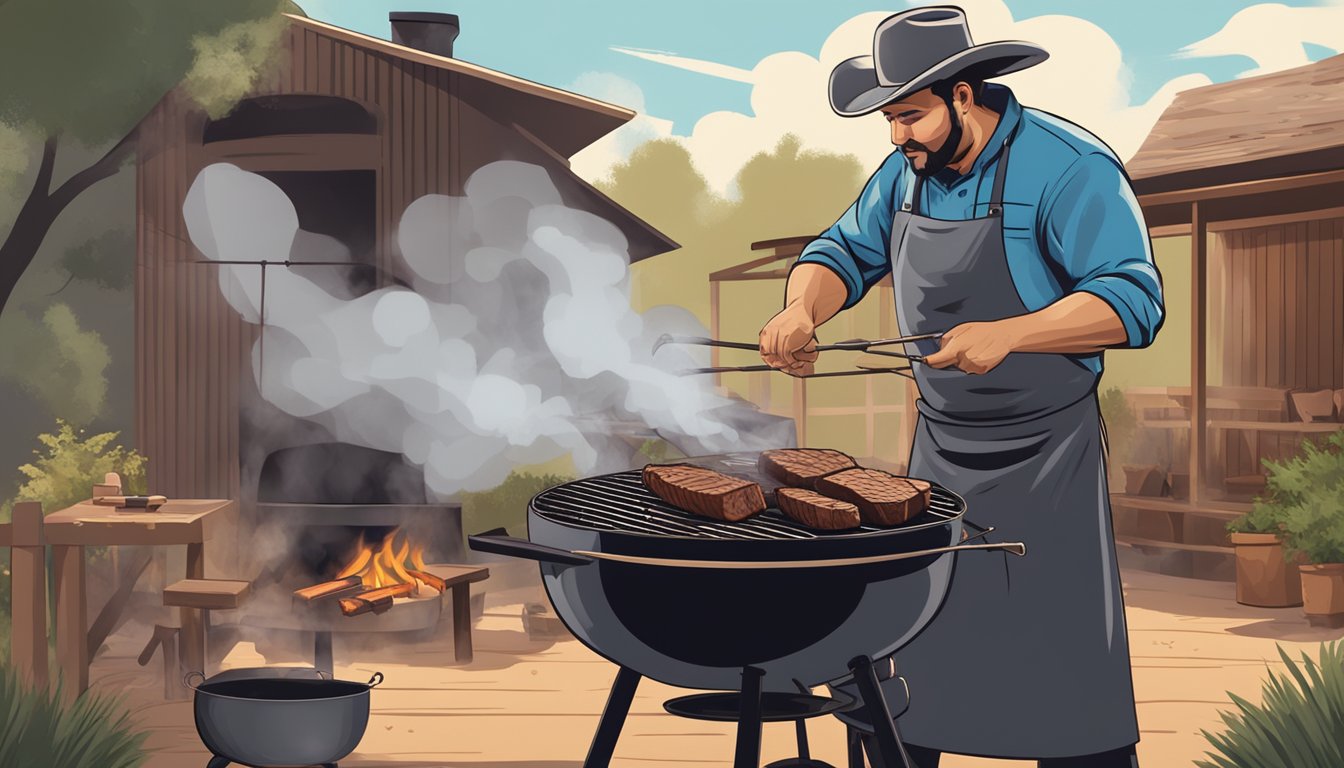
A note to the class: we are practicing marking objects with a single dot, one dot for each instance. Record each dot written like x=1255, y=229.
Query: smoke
x=510, y=340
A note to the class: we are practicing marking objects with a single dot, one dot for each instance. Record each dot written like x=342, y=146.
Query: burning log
x=374, y=600
x=429, y=580
x=336, y=588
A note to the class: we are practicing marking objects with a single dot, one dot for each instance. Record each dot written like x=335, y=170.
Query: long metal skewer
x=853, y=345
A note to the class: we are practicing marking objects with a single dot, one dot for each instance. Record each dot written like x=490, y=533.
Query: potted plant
x=1307, y=491
x=1265, y=578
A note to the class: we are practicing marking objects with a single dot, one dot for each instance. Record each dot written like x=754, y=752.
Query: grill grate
x=621, y=503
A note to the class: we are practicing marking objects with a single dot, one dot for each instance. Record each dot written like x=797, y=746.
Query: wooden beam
x=799, y=241
x=1270, y=221
x=1241, y=188
x=1199, y=296
x=28, y=595
x=1169, y=230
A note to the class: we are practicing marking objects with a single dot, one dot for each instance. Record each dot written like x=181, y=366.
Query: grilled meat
x=800, y=467
x=816, y=511
x=704, y=491
x=882, y=498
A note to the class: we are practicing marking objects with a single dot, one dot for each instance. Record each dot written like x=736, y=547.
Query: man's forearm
x=1078, y=324
x=818, y=290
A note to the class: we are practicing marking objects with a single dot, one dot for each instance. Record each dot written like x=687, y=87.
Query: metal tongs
x=851, y=345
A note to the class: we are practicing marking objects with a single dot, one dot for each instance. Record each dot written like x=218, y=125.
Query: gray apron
x=1028, y=657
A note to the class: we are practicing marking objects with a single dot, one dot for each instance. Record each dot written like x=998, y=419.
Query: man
x=1016, y=236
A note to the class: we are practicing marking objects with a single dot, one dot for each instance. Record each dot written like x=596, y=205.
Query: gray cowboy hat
x=917, y=48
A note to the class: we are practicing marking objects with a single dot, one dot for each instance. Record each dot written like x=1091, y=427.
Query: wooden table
x=182, y=521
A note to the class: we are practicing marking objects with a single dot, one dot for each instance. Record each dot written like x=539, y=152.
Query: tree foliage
x=57, y=362
x=64, y=472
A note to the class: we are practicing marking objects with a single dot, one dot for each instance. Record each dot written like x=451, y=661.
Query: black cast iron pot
x=277, y=719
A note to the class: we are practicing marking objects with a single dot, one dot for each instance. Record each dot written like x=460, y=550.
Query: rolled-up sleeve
x=1094, y=231
x=855, y=247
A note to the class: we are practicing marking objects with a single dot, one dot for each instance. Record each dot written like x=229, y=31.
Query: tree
x=87, y=73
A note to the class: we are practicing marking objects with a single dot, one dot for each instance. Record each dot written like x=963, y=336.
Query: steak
x=800, y=467
x=882, y=498
x=816, y=511
x=704, y=491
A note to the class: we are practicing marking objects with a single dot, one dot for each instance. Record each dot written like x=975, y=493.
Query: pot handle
x=516, y=547
x=187, y=679
x=376, y=680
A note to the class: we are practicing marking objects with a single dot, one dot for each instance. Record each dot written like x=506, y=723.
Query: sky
x=729, y=78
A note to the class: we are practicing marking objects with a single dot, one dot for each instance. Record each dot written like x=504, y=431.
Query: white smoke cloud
x=513, y=344
x=1085, y=80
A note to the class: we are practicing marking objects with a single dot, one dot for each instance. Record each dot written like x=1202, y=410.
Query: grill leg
x=748, y=753
x=889, y=746
x=613, y=717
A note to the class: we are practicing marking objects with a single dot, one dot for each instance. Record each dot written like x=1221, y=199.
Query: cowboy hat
x=915, y=49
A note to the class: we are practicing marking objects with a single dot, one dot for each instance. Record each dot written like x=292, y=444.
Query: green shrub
x=1299, y=725
x=1263, y=518
x=65, y=472
x=39, y=728
x=1121, y=423
x=505, y=506
x=1305, y=495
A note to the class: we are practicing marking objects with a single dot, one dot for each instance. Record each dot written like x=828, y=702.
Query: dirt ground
x=527, y=703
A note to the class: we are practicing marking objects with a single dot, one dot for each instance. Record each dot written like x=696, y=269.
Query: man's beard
x=937, y=161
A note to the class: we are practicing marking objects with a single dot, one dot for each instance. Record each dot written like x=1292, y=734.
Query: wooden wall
x=192, y=350
x=1281, y=319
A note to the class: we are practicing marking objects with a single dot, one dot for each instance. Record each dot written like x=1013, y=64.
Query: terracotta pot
x=1263, y=578
x=1323, y=594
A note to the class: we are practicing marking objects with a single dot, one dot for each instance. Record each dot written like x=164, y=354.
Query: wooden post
x=1199, y=300
x=800, y=410
x=28, y=595
x=714, y=330
x=192, y=648
x=72, y=644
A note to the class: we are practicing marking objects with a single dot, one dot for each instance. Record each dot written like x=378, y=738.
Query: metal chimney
x=429, y=32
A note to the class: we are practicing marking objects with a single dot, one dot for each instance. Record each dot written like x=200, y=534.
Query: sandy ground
x=525, y=703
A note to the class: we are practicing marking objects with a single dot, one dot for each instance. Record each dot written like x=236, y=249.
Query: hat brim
x=855, y=90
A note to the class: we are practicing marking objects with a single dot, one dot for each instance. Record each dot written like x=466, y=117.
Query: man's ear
x=964, y=96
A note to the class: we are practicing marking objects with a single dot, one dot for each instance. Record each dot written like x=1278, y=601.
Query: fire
x=387, y=563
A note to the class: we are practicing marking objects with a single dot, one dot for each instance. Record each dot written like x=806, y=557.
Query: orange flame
x=385, y=564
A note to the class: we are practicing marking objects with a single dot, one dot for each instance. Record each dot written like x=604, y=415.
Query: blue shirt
x=1070, y=220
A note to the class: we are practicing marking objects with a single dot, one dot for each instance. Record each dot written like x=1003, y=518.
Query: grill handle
x=516, y=547
x=1013, y=547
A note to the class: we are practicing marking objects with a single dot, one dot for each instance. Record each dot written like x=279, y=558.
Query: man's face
x=926, y=130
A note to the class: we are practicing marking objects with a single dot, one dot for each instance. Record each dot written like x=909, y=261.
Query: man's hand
x=974, y=347
x=788, y=343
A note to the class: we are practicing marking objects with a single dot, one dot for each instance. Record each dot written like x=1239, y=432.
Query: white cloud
x=1273, y=35
x=1085, y=80
x=711, y=68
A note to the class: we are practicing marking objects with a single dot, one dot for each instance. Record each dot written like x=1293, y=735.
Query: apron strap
x=1000, y=174
x=913, y=193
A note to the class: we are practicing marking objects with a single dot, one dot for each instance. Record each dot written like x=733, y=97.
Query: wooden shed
x=353, y=128
x=1252, y=171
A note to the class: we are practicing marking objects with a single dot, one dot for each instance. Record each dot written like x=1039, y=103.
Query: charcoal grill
x=764, y=606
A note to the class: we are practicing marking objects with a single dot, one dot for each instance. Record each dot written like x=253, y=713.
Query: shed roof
x=1281, y=124
x=566, y=122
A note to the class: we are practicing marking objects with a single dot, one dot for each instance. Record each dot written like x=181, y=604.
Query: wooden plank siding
x=1281, y=289
x=193, y=351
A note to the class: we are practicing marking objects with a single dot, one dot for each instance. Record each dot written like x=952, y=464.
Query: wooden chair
x=184, y=645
